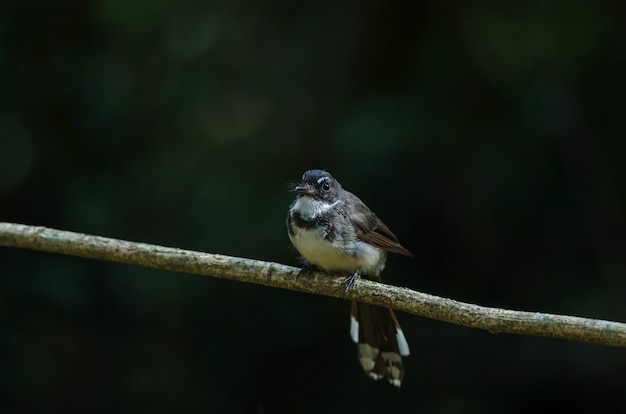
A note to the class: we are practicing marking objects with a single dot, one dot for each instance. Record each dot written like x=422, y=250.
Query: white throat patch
x=309, y=208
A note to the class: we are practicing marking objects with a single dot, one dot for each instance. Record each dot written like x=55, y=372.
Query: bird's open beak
x=305, y=189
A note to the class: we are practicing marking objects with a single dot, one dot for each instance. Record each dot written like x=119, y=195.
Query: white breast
x=339, y=255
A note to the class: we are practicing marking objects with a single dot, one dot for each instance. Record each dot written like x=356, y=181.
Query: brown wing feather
x=371, y=229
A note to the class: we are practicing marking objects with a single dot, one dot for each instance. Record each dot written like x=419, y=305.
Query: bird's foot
x=307, y=269
x=350, y=281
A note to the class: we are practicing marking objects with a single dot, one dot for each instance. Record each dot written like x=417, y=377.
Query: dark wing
x=370, y=229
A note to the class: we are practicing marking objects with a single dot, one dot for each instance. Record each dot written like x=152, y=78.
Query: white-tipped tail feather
x=354, y=329
x=402, y=343
x=380, y=342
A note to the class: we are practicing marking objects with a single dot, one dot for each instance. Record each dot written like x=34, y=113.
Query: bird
x=335, y=232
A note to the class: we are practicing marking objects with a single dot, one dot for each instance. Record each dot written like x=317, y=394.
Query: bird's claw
x=306, y=269
x=350, y=281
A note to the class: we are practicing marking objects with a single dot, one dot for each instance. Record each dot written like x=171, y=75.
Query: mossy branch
x=281, y=276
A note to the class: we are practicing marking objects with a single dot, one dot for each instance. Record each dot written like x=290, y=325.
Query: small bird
x=337, y=233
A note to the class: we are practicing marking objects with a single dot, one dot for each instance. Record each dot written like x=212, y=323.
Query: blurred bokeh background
x=489, y=137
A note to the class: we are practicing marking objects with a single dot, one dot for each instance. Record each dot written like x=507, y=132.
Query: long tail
x=380, y=342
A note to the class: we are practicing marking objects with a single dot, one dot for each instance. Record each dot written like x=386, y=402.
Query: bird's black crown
x=319, y=184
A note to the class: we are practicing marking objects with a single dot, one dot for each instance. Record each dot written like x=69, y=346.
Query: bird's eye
x=325, y=186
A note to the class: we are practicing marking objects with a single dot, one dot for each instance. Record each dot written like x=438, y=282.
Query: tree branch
x=281, y=276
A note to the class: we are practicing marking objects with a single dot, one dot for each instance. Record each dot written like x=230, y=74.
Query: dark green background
x=489, y=137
